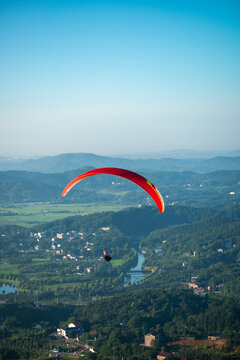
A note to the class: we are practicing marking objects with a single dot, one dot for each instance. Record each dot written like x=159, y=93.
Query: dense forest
x=120, y=323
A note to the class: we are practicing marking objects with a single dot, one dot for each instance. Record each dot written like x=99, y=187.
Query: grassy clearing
x=40, y=260
x=116, y=263
x=31, y=214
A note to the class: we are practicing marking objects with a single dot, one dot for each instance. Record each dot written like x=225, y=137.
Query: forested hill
x=66, y=162
x=165, y=308
x=203, y=237
x=139, y=221
x=121, y=327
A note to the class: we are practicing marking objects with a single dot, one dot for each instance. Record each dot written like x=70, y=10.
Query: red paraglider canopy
x=127, y=174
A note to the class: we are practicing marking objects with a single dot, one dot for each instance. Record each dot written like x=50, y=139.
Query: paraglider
x=127, y=174
x=107, y=255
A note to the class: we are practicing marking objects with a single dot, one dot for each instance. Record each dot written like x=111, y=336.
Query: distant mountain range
x=181, y=154
x=67, y=162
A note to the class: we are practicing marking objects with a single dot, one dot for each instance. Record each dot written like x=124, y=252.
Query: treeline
x=133, y=221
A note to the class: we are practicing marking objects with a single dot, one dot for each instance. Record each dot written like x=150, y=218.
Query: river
x=7, y=289
x=135, y=274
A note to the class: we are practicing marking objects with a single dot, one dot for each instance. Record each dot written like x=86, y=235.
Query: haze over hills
x=67, y=162
x=181, y=154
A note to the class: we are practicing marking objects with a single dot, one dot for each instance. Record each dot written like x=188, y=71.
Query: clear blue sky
x=119, y=76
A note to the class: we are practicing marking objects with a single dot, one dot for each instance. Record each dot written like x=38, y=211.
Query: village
x=57, y=242
x=72, y=246
x=71, y=336
x=76, y=247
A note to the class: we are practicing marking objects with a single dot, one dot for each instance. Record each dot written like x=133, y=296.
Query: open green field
x=116, y=263
x=40, y=261
x=30, y=214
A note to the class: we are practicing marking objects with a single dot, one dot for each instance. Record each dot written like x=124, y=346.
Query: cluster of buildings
x=198, y=289
x=151, y=338
x=73, y=330
x=57, y=245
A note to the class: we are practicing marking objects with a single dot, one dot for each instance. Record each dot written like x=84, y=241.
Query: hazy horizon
x=173, y=153
x=119, y=77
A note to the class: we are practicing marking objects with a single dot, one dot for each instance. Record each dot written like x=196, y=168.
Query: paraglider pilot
x=107, y=255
